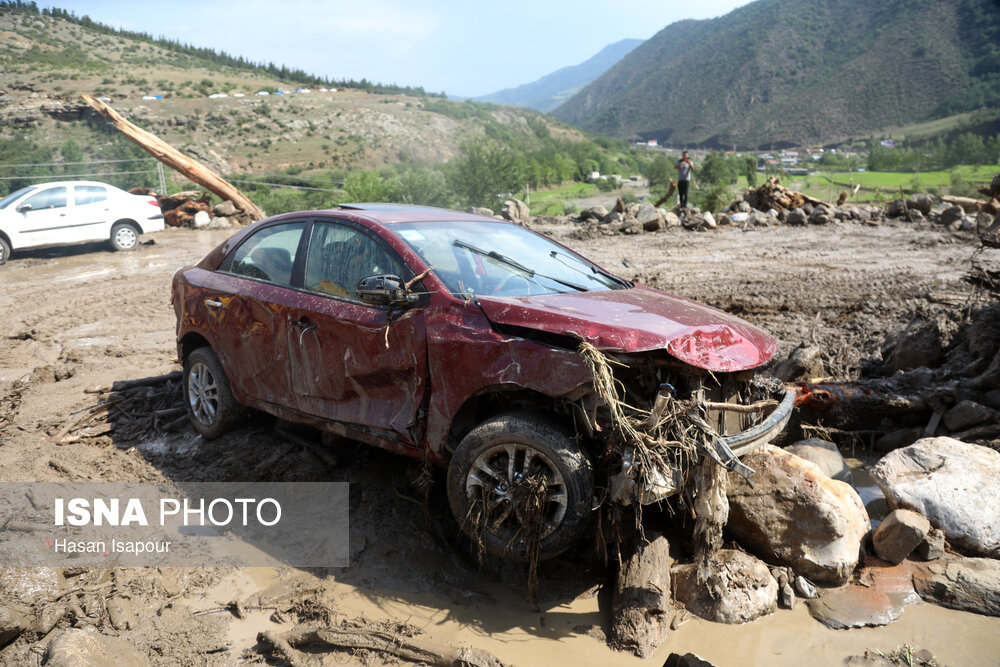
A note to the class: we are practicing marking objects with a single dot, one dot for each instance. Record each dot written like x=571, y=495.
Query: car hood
x=641, y=319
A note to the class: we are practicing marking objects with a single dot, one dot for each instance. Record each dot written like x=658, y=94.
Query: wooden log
x=411, y=649
x=670, y=193
x=173, y=158
x=641, y=607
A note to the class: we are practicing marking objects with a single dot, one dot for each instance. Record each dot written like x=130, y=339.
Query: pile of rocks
x=801, y=527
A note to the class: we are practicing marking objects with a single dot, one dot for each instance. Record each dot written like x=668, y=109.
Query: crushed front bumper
x=628, y=485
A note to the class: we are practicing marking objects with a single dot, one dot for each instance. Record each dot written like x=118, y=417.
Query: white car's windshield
x=6, y=201
x=500, y=259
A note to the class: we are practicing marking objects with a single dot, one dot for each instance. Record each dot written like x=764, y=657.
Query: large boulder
x=81, y=648
x=951, y=214
x=969, y=584
x=796, y=217
x=821, y=215
x=796, y=515
x=593, y=213
x=485, y=212
x=899, y=534
x=649, y=217
x=671, y=219
x=225, y=209
x=516, y=210
x=921, y=202
x=739, y=588
x=967, y=413
x=954, y=484
x=824, y=454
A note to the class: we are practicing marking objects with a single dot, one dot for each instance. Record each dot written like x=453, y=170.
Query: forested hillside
x=799, y=72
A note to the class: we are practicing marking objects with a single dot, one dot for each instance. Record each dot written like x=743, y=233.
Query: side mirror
x=384, y=290
x=24, y=208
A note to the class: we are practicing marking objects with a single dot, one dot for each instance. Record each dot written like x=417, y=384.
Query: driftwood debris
x=970, y=205
x=411, y=649
x=641, y=606
x=773, y=195
x=670, y=193
x=173, y=158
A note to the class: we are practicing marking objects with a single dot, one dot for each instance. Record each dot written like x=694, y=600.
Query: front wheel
x=124, y=236
x=211, y=406
x=4, y=250
x=520, y=487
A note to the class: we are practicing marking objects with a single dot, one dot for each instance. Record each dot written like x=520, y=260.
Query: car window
x=50, y=198
x=6, y=201
x=89, y=194
x=501, y=259
x=267, y=255
x=340, y=256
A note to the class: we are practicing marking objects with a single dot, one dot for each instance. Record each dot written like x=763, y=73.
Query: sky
x=462, y=48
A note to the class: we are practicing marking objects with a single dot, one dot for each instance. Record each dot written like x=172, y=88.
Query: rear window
x=89, y=194
x=267, y=255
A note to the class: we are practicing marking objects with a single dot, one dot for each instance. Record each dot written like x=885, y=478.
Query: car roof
x=390, y=213
x=103, y=185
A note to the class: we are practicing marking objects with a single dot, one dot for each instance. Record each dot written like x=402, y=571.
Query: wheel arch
x=191, y=342
x=495, y=400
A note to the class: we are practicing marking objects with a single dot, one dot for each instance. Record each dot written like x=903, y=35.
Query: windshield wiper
x=593, y=268
x=514, y=264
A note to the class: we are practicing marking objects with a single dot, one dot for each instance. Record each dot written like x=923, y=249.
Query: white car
x=73, y=211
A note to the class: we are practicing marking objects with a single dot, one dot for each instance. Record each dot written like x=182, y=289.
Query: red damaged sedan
x=547, y=385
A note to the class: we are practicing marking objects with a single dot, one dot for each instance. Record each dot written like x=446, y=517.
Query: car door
x=44, y=218
x=352, y=362
x=91, y=212
x=246, y=304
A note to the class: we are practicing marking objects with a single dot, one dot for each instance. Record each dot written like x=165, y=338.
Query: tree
x=484, y=173
x=716, y=169
x=750, y=169
x=367, y=186
x=660, y=170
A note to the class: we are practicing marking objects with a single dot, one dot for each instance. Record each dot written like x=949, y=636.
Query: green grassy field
x=552, y=201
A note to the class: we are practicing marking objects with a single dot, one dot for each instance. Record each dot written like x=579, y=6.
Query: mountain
x=799, y=72
x=205, y=104
x=553, y=89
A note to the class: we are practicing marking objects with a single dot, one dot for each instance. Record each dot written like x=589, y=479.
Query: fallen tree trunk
x=411, y=649
x=640, y=608
x=670, y=193
x=173, y=158
x=970, y=205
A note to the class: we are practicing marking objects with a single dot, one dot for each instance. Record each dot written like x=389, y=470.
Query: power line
x=60, y=164
x=65, y=176
x=282, y=185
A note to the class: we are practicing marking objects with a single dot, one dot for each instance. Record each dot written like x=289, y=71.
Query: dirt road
x=83, y=316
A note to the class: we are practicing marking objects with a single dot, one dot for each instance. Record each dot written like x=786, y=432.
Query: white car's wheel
x=124, y=236
x=4, y=250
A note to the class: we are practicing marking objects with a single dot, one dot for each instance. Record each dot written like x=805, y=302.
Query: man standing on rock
x=684, y=168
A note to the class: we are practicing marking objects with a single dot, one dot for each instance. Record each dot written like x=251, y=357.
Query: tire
x=208, y=397
x=539, y=449
x=124, y=236
x=4, y=251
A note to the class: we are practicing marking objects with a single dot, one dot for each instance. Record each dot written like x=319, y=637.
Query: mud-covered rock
x=951, y=483
x=15, y=618
x=739, y=588
x=225, y=209
x=918, y=344
x=802, y=363
x=797, y=516
x=899, y=438
x=593, y=213
x=671, y=219
x=899, y=534
x=967, y=413
x=932, y=546
x=649, y=217
x=824, y=454
x=821, y=215
x=856, y=607
x=82, y=648
x=921, y=202
x=485, y=212
x=515, y=210
x=969, y=584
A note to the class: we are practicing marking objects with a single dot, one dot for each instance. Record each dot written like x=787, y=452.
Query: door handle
x=213, y=303
x=305, y=327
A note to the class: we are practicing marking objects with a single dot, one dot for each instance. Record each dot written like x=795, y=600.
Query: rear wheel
x=4, y=250
x=124, y=236
x=520, y=487
x=208, y=397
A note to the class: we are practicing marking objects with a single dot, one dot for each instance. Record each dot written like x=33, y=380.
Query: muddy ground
x=83, y=316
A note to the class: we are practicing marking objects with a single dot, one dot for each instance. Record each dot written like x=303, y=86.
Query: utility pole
x=163, y=180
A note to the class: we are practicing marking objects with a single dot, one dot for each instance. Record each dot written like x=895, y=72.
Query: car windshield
x=6, y=201
x=500, y=259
